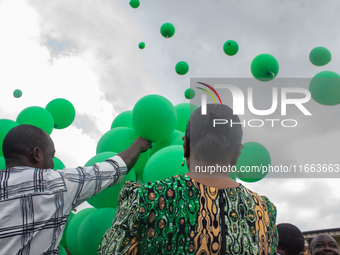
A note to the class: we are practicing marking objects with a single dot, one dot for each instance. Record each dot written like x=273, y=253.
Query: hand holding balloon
x=131, y=154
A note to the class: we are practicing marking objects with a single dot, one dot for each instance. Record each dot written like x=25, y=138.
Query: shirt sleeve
x=84, y=182
x=122, y=236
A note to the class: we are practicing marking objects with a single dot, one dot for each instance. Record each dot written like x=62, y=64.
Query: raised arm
x=131, y=154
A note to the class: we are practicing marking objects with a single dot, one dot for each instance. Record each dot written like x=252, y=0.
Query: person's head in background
x=27, y=145
x=209, y=142
x=324, y=244
x=291, y=241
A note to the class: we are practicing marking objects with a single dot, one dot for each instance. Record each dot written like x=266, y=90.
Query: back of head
x=23, y=138
x=291, y=239
x=214, y=135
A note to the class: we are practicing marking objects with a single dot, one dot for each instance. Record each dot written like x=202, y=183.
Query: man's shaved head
x=21, y=141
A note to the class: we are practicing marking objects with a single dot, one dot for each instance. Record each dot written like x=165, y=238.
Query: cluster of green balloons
x=58, y=113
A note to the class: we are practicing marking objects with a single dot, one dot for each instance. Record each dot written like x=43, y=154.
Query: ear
x=236, y=156
x=36, y=155
x=186, y=147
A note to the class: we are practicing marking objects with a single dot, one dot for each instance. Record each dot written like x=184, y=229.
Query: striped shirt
x=35, y=203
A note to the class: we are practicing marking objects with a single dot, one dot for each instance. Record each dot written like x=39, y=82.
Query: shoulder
x=169, y=185
x=262, y=201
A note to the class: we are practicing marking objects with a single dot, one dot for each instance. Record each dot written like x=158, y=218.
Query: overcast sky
x=87, y=52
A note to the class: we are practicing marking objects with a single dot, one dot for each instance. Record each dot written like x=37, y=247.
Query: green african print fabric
x=180, y=216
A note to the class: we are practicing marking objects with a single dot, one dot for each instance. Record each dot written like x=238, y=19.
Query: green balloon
x=122, y=120
x=264, y=67
x=320, y=56
x=230, y=47
x=17, y=93
x=62, y=111
x=62, y=250
x=189, y=93
x=5, y=126
x=252, y=155
x=162, y=144
x=2, y=162
x=134, y=3
x=183, y=114
x=72, y=230
x=58, y=164
x=182, y=68
x=325, y=88
x=63, y=239
x=141, y=45
x=154, y=117
x=167, y=30
x=178, y=140
x=37, y=116
x=165, y=163
x=117, y=140
x=92, y=229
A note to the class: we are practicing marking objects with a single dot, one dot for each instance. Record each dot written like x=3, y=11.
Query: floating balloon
x=141, y=45
x=63, y=239
x=167, y=30
x=154, y=118
x=37, y=116
x=73, y=228
x=183, y=114
x=182, y=68
x=320, y=56
x=122, y=120
x=162, y=144
x=165, y=163
x=253, y=156
x=264, y=67
x=92, y=229
x=189, y=93
x=134, y=3
x=325, y=88
x=58, y=164
x=17, y=93
x=62, y=111
x=230, y=47
x=5, y=126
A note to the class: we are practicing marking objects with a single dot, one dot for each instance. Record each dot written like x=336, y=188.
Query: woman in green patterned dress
x=198, y=212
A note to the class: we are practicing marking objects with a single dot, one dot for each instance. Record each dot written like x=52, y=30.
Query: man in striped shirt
x=35, y=200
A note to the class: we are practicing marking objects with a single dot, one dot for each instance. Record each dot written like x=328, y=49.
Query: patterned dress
x=180, y=216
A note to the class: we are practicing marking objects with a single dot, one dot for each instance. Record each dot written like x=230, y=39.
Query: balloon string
x=164, y=47
x=273, y=86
